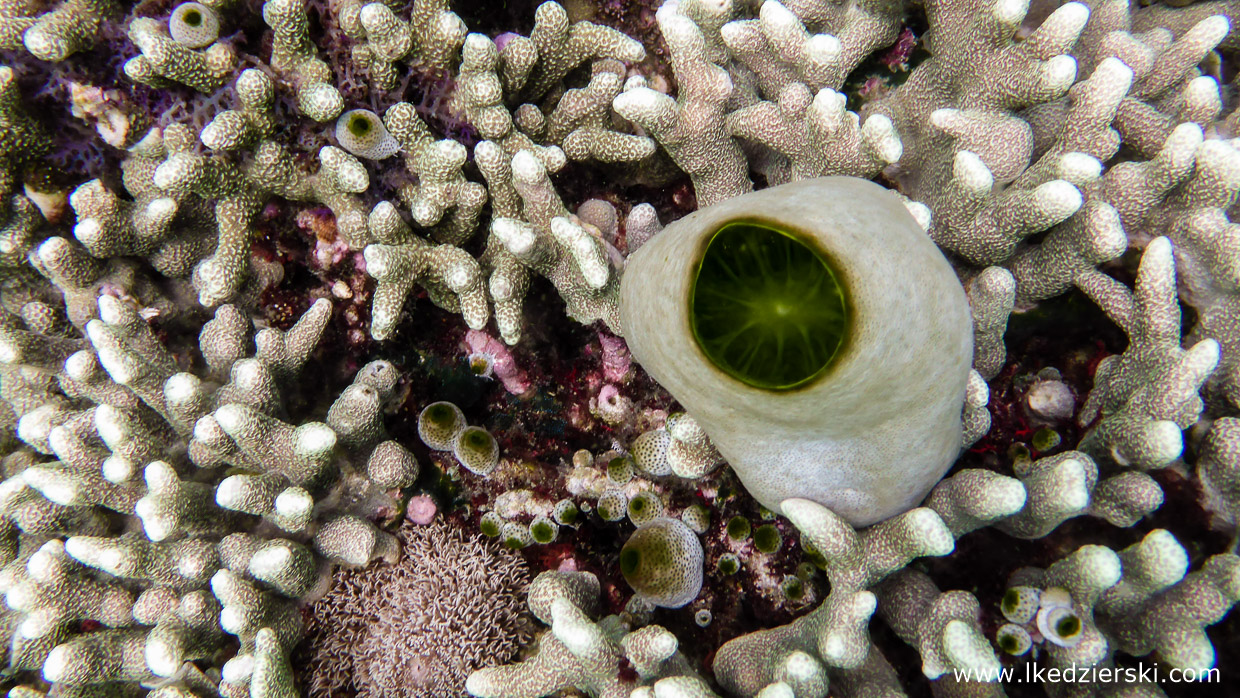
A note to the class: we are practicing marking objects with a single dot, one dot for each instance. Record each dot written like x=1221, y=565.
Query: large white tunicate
x=871, y=434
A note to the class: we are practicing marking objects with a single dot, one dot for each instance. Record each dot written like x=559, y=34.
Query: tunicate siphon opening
x=359, y=125
x=767, y=308
x=194, y=25
x=629, y=561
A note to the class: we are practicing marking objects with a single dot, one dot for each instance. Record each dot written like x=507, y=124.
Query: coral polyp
x=452, y=606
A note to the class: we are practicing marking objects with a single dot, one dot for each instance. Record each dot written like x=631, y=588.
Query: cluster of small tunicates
x=442, y=427
x=662, y=560
x=1044, y=614
x=520, y=517
x=1142, y=596
x=751, y=547
x=543, y=528
x=679, y=448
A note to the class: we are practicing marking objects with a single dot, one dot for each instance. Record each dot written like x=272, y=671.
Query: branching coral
x=833, y=635
x=179, y=482
x=400, y=259
x=240, y=192
x=294, y=54
x=691, y=127
x=54, y=35
x=431, y=37
x=23, y=138
x=165, y=59
x=559, y=246
x=1148, y=394
x=108, y=463
x=578, y=651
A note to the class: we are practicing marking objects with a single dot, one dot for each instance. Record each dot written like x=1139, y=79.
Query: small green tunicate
x=649, y=452
x=738, y=528
x=807, y=571
x=1013, y=639
x=793, y=588
x=767, y=539
x=543, y=530
x=728, y=564
x=362, y=133
x=812, y=554
x=1020, y=604
x=1010, y=601
x=645, y=506
x=620, y=469
x=490, y=524
x=515, y=535
x=1068, y=626
x=662, y=561
x=1045, y=439
x=565, y=512
x=438, y=425
x=194, y=25
x=767, y=307
x=476, y=450
x=696, y=517
x=481, y=364
x=611, y=506
x=1056, y=618
x=1060, y=626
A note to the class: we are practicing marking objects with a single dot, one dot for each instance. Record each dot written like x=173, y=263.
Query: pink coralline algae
x=421, y=510
x=497, y=360
x=617, y=362
x=897, y=56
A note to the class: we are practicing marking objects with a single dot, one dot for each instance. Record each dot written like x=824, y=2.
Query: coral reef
x=314, y=324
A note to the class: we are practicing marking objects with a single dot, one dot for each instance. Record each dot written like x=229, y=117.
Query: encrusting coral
x=295, y=297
